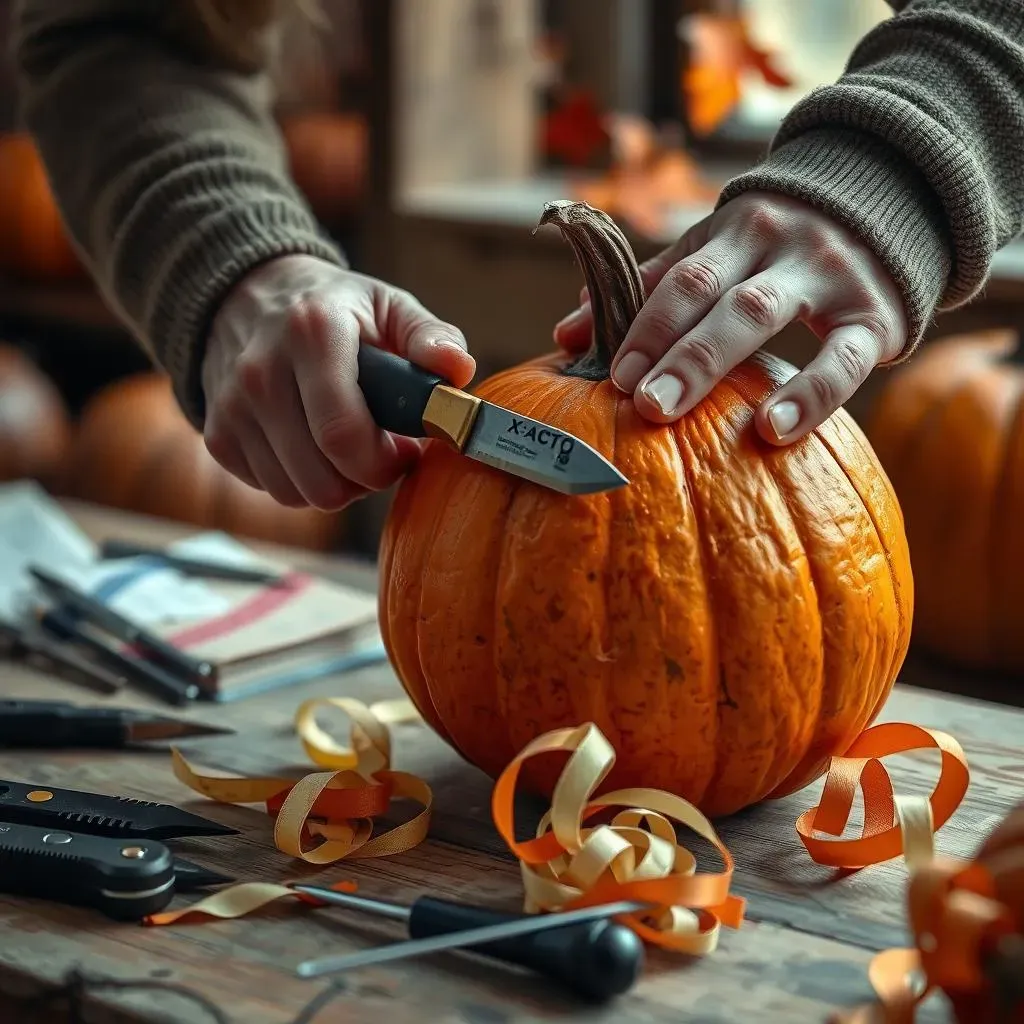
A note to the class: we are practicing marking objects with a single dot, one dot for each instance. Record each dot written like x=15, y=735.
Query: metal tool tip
x=157, y=727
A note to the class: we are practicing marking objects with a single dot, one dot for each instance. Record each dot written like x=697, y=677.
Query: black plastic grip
x=42, y=724
x=125, y=879
x=597, y=959
x=396, y=391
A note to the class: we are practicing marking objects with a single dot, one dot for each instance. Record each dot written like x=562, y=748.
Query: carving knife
x=407, y=400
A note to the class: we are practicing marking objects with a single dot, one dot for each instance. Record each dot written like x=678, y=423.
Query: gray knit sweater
x=172, y=178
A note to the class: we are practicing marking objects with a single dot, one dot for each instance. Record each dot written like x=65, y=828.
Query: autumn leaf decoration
x=721, y=50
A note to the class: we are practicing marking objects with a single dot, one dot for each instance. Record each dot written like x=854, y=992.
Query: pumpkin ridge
x=534, y=408
x=814, y=578
x=703, y=560
x=921, y=430
x=997, y=553
x=894, y=583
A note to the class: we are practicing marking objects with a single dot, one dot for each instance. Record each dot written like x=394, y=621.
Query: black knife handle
x=39, y=724
x=125, y=879
x=396, y=391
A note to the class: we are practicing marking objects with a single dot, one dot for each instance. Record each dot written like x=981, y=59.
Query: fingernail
x=783, y=416
x=630, y=371
x=666, y=391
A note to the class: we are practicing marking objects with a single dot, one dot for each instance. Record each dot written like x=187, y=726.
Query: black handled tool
x=99, y=614
x=124, y=879
x=52, y=724
x=191, y=566
x=581, y=949
x=31, y=644
x=93, y=813
x=145, y=674
x=407, y=400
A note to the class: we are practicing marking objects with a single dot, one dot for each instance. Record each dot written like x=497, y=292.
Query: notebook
x=258, y=637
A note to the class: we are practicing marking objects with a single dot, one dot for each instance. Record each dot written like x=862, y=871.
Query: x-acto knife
x=406, y=400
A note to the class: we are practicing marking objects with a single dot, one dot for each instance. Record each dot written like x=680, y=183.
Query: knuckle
x=331, y=496
x=219, y=446
x=334, y=436
x=824, y=392
x=829, y=256
x=704, y=356
x=760, y=303
x=310, y=327
x=255, y=377
x=696, y=279
x=851, y=362
x=764, y=221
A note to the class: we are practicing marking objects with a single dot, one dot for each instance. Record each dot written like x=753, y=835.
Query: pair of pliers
x=92, y=850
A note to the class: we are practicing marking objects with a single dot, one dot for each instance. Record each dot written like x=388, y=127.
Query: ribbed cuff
x=868, y=186
x=217, y=253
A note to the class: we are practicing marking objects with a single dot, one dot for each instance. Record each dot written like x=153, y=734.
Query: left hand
x=729, y=285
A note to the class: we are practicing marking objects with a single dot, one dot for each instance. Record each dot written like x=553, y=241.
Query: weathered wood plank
x=803, y=951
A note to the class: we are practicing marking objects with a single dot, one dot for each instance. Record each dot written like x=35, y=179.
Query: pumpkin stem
x=612, y=276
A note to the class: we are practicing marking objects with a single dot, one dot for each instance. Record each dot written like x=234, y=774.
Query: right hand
x=284, y=410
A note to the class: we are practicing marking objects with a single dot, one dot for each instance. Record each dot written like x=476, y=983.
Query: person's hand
x=284, y=409
x=729, y=285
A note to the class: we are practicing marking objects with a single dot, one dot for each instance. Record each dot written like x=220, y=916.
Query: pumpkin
x=135, y=450
x=948, y=427
x=35, y=428
x=730, y=620
x=988, y=914
x=33, y=242
x=327, y=156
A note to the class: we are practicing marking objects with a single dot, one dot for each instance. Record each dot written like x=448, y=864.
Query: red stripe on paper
x=263, y=603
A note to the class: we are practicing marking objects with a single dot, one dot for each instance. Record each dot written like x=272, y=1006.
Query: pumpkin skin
x=949, y=430
x=33, y=242
x=730, y=620
x=135, y=450
x=35, y=428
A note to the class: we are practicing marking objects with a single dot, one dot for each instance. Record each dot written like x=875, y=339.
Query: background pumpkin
x=730, y=620
x=134, y=449
x=949, y=429
x=35, y=428
x=33, y=243
x=1001, y=853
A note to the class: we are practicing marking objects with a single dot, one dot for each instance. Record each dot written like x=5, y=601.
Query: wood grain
x=803, y=951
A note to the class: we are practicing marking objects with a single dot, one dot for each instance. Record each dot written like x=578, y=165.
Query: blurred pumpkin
x=968, y=922
x=33, y=242
x=730, y=620
x=135, y=450
x=327, y=154
x=949, y=428
x=35, y=428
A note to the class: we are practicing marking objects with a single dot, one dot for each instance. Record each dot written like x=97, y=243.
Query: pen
x=149, y=676
x=128, y=632
x=191, y=566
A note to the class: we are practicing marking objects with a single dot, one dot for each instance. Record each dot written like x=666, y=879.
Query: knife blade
x=407, y=400
x=101, y=815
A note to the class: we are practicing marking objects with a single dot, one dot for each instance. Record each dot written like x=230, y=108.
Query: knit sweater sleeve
x=916, y=148
x=166, y=164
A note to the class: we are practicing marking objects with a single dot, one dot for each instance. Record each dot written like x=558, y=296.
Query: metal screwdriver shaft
x=580, y=949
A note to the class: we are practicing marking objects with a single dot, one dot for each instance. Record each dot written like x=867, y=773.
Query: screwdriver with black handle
x=583, y=950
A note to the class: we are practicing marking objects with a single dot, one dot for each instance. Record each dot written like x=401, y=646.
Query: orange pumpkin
x=33, y=242
x=35, y=429
x=730, y=620
x=135, y=450
x=949, y=428
x=327, y=154
x=980, y=929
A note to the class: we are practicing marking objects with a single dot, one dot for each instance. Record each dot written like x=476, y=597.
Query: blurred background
x=643, y=107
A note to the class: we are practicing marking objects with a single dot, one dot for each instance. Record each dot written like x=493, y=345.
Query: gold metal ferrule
x=450, y=414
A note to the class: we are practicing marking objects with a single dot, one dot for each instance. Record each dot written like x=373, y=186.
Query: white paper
x=35, y=530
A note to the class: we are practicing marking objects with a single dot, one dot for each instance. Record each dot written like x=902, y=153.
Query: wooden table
x=802, y=952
